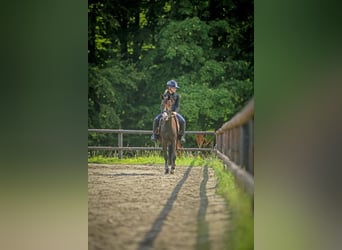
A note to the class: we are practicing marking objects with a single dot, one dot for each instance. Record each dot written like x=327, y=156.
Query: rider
x=172, y=87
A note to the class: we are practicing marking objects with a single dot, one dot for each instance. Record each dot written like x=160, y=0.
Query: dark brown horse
x=168, y=133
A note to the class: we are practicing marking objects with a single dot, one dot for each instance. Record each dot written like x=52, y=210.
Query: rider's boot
x=181, y=132
x=154, y=136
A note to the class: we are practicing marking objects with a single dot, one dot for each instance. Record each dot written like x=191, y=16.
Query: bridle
x=167, y=103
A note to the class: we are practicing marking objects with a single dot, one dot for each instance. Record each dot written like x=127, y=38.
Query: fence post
x=251, y=146
x=120, y=143
x=244, y=145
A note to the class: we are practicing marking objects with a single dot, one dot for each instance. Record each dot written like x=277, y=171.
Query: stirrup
x=182, y=139
x=154, y=137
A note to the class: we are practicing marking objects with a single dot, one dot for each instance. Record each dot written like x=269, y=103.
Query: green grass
x=240, y=236
x=240, y=233
x=150, y=160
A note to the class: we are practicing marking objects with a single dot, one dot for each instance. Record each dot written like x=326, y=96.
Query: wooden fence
x=235, y=146
x=121, y=132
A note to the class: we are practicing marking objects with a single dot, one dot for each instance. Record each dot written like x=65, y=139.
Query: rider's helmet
x=172, y=84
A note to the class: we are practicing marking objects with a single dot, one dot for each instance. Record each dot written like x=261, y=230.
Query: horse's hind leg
x=173, y=168
x=170, y=157
x=166, y=167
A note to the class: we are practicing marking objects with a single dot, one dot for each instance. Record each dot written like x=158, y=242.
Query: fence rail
x=120, y=148
x=144, y=148
x=235, y=146
x=132, y=131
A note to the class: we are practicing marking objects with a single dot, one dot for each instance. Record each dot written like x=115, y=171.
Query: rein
x=167, y=104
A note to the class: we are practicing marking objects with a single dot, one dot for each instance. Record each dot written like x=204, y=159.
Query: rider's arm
x=177, y=104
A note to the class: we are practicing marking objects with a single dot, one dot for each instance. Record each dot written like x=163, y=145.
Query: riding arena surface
x=139, y=207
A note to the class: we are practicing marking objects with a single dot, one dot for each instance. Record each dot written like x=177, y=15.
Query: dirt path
x=138, y=207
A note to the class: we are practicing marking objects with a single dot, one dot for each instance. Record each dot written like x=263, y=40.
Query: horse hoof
x=166, y=171
x=172, y=171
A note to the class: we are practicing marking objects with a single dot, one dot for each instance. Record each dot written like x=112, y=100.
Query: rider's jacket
x=175, y=107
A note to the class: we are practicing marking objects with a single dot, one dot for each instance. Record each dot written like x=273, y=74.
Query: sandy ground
x=138, y=207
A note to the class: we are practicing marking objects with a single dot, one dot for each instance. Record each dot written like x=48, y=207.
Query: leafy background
x=135, y=47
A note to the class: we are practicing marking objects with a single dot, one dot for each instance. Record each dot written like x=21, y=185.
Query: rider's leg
x=154, y=136
x=181, y=127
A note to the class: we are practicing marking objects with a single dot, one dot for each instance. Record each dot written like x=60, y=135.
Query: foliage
x=135, y=47
x=108, y=101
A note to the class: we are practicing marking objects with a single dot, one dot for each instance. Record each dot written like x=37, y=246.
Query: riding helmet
x=172, y=84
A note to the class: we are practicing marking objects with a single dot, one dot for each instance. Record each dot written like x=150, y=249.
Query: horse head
x=167, y=102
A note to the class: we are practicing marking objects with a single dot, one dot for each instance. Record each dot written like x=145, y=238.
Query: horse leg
x=165, y=158
x=170, y=155
x=173, y=157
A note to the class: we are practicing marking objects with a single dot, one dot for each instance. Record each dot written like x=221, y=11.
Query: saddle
x=173, y=116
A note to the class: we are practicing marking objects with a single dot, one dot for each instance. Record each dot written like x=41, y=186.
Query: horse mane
x=167, y=101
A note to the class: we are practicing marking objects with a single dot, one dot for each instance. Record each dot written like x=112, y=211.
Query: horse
x=168, y=133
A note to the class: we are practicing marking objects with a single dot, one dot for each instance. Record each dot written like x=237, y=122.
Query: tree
x=136, y=46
